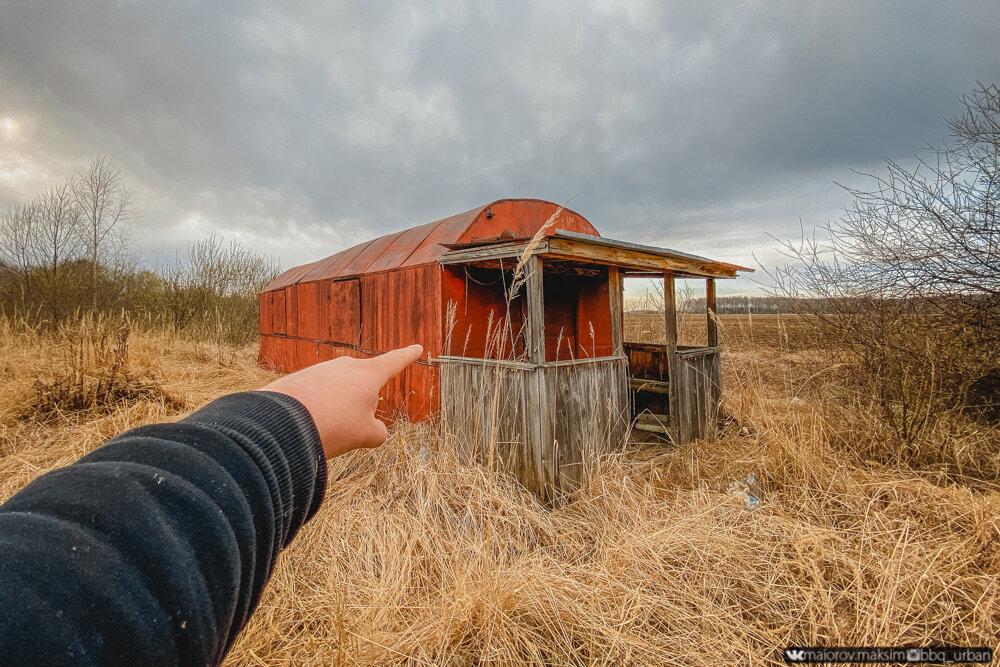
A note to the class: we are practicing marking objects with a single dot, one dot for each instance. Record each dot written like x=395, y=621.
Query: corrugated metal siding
x=291, y=311
x=278, y=315
x=523, y=217
x=264, y=313
x=400, y=308
x=340, y=314
x=390, y=292
x=422, y=245
x=413, y=394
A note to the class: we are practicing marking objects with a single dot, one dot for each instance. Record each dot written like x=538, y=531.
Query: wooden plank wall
x=648, y=361
x=485, y=411
x=589, y=414
x=339, y=316
x=696, y=388
x=490, y=409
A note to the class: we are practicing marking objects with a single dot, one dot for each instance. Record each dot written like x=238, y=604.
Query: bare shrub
x=90, y=373
x=57, y=241
x=67, y=250
x=906, y=285
x=17, y=234
x=214, y=292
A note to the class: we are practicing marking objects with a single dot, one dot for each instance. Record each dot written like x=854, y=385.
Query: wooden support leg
x=678, y=427
x=713, y=324
x=715, y=378
x=617, y=309
x=539, y=410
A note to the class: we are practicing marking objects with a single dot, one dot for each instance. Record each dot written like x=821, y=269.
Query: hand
x=342, y=395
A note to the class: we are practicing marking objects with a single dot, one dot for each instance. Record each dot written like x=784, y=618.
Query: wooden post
x=715, y=368
x=673, y=367
x=535, y=323
x=670, y=311
x=617, y=308
x=713, y=325
x=617, y=301
x=538, y=410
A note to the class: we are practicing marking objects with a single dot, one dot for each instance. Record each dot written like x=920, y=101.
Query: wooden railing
x=687, y=388
x=697, y=400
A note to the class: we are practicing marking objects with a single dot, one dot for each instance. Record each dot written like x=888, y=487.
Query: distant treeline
x=737, y=305
x=69, y=252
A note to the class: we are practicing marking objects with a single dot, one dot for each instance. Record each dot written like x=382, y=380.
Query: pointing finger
x=392, y=363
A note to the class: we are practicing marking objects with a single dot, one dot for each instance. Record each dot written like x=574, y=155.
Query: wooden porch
x=548, y=419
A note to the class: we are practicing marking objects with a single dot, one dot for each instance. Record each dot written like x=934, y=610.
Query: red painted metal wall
x=392, y=291
x=479, y=302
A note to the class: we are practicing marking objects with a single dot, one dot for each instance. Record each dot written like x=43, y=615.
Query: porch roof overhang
x=566, y=246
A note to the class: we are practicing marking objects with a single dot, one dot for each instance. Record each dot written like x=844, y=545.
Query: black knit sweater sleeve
x=154, y=548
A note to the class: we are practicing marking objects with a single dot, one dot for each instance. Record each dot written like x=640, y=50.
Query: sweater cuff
x=280, y=436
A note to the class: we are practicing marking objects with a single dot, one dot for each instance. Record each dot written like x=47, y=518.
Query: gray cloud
x=304, y=127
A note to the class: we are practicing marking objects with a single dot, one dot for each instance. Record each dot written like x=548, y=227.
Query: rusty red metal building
x=447, y=285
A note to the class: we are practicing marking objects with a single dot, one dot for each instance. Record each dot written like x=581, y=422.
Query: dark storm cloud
x=302, y=127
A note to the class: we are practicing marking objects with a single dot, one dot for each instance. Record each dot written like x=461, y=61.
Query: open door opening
x=673, y=356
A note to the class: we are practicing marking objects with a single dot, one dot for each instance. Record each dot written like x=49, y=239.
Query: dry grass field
x=418, y=558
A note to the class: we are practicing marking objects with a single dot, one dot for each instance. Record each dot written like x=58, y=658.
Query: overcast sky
x=305, y=127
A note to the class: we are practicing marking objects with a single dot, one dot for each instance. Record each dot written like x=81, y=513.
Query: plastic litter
x=747, y=490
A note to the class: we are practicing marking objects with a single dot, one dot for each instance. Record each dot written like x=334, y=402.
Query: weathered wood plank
x=535, y=321
x=615, y=297
x=710, y=310
x=541, y=439
x=684, y=351
x=584, y=361
x=590, y=406
x=582, y=251
x=476, y=361
x=697, y=392
x=670, y=329
x=494, y=251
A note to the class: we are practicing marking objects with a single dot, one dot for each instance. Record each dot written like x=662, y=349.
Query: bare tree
x=105, y=204
x=17, y=232
x=57, y=241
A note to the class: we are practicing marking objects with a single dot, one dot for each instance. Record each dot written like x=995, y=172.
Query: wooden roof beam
x=585, y=249
x=581, y=251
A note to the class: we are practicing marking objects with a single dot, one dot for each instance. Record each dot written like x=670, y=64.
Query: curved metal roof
x=416, y=246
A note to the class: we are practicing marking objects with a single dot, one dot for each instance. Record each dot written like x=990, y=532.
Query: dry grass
x=418, y=558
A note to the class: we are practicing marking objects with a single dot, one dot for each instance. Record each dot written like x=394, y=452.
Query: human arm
x=155, y=548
